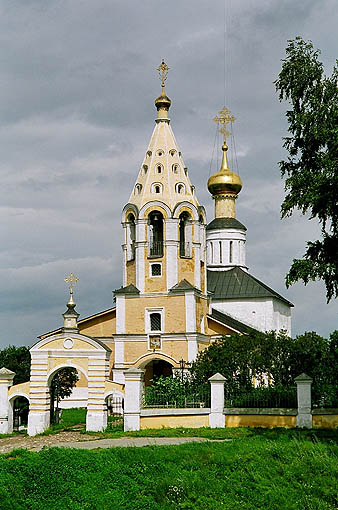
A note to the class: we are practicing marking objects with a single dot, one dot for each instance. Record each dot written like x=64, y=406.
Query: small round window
x=160, y=152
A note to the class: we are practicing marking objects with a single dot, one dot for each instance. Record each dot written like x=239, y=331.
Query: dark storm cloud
x=78, y=81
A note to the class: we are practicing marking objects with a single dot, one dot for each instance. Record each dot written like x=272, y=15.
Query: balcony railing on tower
x=155, y=249
x=185, y=250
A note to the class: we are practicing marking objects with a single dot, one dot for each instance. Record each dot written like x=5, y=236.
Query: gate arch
x=68, y=349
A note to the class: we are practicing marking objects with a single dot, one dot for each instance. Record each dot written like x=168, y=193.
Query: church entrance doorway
x=155, y=369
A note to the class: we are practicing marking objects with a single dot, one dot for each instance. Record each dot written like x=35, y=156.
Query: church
x=185, y=284
x=185, y=281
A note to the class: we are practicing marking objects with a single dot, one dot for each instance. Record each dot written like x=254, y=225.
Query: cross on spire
x=163, y=72
x=223, y=119
x=71, y=279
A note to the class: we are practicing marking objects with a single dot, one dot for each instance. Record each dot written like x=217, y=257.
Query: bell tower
x=163, y=303
x=164, y=225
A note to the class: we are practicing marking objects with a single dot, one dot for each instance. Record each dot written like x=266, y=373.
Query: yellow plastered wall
x=174, y=307
x=58, y=344
x=158, y=422
x=186, y=270
x=101, y=326
x=214, y=328
x=79, y=362
x=133, y=350
x=82, y=382
x=176, y=349
x=325, y=421
x=260, y=420
x=131, y=272
x=201, y=310
x=202, y=278
x=158, y=283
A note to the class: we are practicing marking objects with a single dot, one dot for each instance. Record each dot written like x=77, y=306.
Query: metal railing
x=268, y=397
x=155, y=249
x=185, y=250
x=186, y=399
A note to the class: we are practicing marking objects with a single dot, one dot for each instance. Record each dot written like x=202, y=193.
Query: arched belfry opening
x=131, y=237
x=155, y=231
x=185, y=227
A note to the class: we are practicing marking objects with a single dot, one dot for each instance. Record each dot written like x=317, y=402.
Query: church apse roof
x=236, y=283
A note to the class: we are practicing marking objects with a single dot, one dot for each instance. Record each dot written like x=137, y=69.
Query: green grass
x=251, y=472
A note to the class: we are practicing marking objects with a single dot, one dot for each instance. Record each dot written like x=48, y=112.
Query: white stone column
x=304, y=416
x=216, y=416
x=6, y=380
x=134, y=378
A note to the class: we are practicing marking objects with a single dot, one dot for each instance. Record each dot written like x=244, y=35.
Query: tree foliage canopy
x=239, y=358
x=311, y=168
x=17, y=359
x=63, y=383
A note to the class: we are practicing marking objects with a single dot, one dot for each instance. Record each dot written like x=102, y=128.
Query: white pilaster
x=119, y=353
x=192, y=349
x=190, y=312
x=171, y=236
x=120, y=314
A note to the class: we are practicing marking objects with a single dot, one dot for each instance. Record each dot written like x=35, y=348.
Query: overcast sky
x=78, y=81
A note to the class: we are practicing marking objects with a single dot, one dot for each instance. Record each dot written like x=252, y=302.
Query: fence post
x=304, y=416
x=216, y=416
x=6, y=380
x=133, y=389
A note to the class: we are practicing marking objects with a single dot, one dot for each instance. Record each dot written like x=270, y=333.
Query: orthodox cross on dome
x=223, y=119
x=163, y=72
x=71, y=279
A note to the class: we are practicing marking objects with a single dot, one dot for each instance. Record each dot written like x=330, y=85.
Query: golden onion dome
x=163, y=101
x=224, y=181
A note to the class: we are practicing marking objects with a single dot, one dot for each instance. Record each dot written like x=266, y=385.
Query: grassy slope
x=259, y=472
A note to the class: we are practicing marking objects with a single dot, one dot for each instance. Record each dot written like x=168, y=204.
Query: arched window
x=156, y=187
x=159, y=169
x=180, y=188
x=131, y=229
x=160, y=152
x=185, y=227
x=138, y=189
x=175, y=168
x=155, y=234
x=172, y=152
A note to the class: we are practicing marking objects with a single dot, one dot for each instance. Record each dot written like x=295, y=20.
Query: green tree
x=311, y=168
x=18, y=360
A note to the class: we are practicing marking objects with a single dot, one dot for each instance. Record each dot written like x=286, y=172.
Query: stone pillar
x=304, y=417
x=216, y=416
x=134, y=378
x=6, y=380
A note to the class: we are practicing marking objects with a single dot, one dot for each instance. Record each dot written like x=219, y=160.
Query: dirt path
x=8, y=444
x=74, y=439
